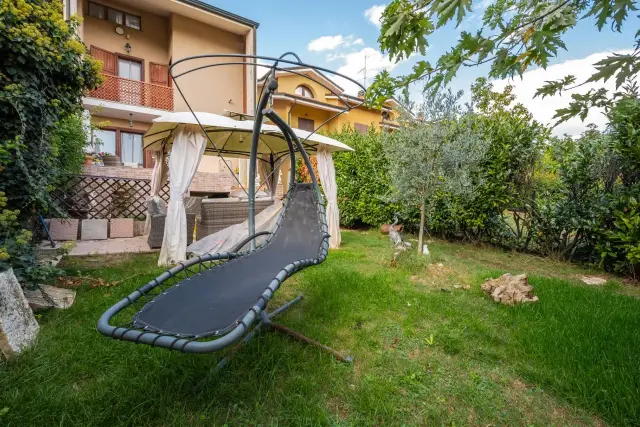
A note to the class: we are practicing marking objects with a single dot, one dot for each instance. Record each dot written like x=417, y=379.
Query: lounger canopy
x=232, y=138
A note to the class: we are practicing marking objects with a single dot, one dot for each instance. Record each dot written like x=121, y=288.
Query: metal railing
x=134, y=92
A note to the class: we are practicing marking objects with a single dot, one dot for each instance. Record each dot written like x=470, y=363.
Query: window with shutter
x=109, y=60
x=306, y=124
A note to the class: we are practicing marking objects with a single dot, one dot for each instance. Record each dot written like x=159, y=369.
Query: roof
x=301, y=69
x=232, y=16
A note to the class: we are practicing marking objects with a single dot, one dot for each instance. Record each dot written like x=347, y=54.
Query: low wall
x=202, y=182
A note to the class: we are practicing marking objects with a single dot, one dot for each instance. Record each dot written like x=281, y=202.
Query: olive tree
x=438, y=152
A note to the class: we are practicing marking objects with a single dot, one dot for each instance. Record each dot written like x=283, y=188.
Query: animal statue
x=396, y=237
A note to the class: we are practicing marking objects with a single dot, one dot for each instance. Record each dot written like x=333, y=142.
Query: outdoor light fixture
x=130, y=120
x=127, y=47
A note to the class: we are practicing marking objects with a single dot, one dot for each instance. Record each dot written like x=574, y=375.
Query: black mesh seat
x=212, y=302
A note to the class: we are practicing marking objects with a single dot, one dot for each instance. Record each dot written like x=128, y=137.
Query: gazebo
x=185, y=137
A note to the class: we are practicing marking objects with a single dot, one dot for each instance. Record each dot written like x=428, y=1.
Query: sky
x=340, y=34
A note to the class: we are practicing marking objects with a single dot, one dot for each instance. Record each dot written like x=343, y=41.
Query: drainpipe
x=295, y=102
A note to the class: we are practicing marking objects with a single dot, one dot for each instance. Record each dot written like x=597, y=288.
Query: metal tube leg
x=266, y=322
x=283, y=329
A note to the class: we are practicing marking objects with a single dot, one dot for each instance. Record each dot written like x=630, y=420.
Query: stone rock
x=138, y=228
x=46, y=297
x=594, y=280
x=510, y=290
x=63, y=229
x=94, y=229
x=121, y=227
x=18, y=326
x=384, y=228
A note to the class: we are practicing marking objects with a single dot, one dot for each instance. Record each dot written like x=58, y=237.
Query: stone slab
x=46, y=297
x=63, y=229
x=121, y=227
x=111, y=246
x=138, y=228
x=18, y=327
x=94, y=229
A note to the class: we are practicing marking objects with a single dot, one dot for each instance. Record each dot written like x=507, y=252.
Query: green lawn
x=426, y=353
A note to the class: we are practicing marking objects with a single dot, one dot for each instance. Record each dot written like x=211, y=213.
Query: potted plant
x=109, y=159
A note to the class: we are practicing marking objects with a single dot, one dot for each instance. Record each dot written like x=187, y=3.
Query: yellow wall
x=214, y=89
x=150, y=44
x=288, y=84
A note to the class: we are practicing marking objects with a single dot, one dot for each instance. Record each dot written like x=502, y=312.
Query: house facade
x=137, y=41
x=305, y=103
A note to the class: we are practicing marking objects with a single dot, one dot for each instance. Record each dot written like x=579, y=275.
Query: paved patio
x=111, y=246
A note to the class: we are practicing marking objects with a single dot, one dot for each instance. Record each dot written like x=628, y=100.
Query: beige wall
x=150, y=44
x=214, y=89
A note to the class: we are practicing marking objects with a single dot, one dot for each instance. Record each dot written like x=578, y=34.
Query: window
x=360, y=128
x=116, y=16
x=306, y=124
x=304, y=91
x=132, y=21
x=386, y=116
x=105, y=141
x=131, y=148
x=129, y=69
x=97, y=10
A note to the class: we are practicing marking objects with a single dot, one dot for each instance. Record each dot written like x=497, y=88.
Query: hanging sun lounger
x=213, y=301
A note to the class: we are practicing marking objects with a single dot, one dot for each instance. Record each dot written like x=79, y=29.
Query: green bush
x=363, y=179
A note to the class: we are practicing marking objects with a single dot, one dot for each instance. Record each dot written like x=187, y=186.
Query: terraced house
x=307, y=98
x=137, y=40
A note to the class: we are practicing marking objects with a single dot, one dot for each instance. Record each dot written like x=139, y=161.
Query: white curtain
x=328, y=179
x=285, y=171
x=188, y=148
x=158, y=178
x=266, y=175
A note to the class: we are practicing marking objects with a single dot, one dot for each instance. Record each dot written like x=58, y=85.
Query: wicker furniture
x=157, y=230
x=217, y=214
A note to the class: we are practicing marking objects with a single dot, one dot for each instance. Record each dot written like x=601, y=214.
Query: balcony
x=134, y=92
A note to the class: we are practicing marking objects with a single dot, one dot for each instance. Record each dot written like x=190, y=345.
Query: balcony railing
x=134, y=92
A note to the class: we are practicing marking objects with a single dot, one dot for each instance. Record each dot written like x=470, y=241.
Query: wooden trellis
x=104, y=197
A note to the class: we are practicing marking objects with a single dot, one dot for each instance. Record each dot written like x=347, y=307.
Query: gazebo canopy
x=232, y=138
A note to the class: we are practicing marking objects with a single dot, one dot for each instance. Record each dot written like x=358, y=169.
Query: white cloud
x=325, y=43
x=374, y=14
x=354, y=66
x=333, y=42
x=543, y=110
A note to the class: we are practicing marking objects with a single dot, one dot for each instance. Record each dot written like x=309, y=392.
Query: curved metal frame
x=191, y=344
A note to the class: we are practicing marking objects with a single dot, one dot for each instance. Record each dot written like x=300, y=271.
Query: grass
x=427, y=353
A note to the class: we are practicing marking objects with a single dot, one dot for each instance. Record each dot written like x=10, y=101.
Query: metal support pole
x=255, y=138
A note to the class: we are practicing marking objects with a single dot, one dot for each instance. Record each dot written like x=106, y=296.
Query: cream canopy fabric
x=327, y=173
x=230, y=137
x=183, y=164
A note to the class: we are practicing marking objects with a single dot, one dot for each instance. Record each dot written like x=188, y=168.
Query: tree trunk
x=421, y=233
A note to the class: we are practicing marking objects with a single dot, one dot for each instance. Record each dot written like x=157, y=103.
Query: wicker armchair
x=217, y=214
x=157, y=230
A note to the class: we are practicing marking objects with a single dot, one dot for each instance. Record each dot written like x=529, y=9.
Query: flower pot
x=111, y=160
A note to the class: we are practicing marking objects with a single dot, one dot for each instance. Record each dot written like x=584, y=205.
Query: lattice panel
x=134, y=92
x=98, y=197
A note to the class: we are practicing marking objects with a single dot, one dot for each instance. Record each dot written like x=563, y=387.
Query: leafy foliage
x=45, y=70
x=514, y=36
x=44, y=73
x=362, y=177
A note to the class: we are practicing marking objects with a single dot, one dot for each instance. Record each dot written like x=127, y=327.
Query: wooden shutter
x=306, y=124
x=159, y=74
x=148, y=159
x=109, y=60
